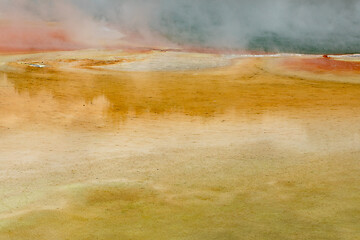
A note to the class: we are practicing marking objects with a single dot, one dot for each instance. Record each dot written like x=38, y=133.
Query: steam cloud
x=308, y=26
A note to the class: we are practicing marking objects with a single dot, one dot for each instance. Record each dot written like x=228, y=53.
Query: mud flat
x=176, y=145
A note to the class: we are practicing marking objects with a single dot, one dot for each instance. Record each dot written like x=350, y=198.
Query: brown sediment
x=89, y=63
x=233, y=152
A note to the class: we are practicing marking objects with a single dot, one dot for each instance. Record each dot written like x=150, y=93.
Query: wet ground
x=176, y=145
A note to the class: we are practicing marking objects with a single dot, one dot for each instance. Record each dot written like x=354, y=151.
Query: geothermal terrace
x=167, y=144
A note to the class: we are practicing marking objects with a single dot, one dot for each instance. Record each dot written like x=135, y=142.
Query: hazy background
x=305, y=26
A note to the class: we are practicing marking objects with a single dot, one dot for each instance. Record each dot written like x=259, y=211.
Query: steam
x=36, y=24
x=306, y=26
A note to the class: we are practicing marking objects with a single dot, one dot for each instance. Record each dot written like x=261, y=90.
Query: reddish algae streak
x=324, y=64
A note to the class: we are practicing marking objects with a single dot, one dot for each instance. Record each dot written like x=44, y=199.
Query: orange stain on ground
x=324, y=64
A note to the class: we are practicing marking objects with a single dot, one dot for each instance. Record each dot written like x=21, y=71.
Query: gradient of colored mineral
x=130, y=135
